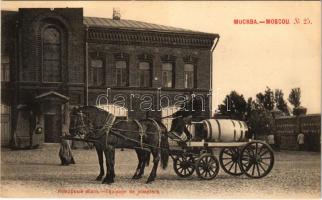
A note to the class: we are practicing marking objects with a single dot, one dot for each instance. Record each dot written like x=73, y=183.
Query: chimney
x=116, y=14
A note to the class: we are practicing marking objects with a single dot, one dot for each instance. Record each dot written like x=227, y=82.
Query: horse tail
x=164, y=150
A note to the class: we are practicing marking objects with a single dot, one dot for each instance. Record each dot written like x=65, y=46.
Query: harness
x=108, y=128
x=141, y=132
x=95, y=134
x=159, y=131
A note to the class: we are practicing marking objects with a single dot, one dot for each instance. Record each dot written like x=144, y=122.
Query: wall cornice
x=150, y=38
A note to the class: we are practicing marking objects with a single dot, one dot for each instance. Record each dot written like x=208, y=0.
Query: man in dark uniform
x=179, y=128
x=182, y=117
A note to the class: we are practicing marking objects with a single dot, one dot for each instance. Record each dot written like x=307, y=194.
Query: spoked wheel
x=207, y=166
x=229, y=161
x=184, y=166
x=257, y=159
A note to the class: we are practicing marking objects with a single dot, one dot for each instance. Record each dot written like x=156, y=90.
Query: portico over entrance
x=54, y=115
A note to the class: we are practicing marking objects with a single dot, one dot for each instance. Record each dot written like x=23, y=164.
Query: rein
x=135, y=141
x=114, y=132
x=169, y=116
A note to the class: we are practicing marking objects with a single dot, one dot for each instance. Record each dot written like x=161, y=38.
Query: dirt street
x=38, y=173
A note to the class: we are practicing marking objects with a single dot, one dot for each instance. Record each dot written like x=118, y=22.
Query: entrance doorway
x=53, y=128
x=53, y=115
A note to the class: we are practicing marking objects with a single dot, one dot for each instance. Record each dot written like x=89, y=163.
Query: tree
x=266, y=99
x=233, y=106
x=259, y=119
x=249, y=107
x=295, y=97
x=280, y=102
x=260, y=122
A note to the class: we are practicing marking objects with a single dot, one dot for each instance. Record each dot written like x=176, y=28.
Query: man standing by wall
x=271, y=140
x=300, y=141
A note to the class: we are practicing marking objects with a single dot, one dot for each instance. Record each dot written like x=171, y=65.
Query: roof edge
x=183, y=31
x=213, y=35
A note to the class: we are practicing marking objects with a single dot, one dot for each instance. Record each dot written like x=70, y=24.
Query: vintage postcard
x=161, y=99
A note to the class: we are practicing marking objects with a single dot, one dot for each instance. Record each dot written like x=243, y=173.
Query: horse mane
x=95, y=115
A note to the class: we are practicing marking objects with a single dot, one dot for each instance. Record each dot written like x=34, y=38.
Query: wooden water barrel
x=224, y=130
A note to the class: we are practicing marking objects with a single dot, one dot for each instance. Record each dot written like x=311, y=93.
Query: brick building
x=52, y=59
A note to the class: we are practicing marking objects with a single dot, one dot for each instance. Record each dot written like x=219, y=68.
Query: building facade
x=53, y=59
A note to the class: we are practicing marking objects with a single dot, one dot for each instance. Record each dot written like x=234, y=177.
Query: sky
x=248, y=57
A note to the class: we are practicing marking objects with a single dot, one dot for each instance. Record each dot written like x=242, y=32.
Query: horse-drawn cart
x=238, y=154
x=254, y=158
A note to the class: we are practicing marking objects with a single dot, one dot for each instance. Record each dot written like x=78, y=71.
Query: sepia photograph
x=161, y=99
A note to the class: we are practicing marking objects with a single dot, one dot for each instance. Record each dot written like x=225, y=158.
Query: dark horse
x=145, y=136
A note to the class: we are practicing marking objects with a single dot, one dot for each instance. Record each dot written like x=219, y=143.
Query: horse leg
x=72, y=161
x=145, y=160
x=113, y=161
x=99, y=152
x=63, y=161
x=138, y=168
x=143, y=157
x=109, y=178
x=156, y=159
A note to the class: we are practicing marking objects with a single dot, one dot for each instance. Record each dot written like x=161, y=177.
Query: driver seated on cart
x=179, y=129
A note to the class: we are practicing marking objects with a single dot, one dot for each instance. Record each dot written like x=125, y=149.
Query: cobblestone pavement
x=39, y=173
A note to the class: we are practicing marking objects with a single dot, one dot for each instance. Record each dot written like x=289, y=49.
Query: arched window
x=121, y=62
x=168, y=71
x=167, y=75
x=189, y=76
x=144, y=74
x=96, y=69
x=145, y=70
x=190, y=71
x=121, y=73
x=52, y=53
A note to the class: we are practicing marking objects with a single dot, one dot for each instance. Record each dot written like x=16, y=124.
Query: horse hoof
x=137, y=176
x=99, y=178
x=108, y=181
x=149, y=181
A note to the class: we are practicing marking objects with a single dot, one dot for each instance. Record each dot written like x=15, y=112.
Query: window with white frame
x=189, y=76
x=96, y=73
x=144, y=74
x=167, y=75
x=121, y=73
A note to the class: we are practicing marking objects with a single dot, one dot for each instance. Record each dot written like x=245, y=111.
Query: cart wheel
x=257, y=159
x=229, y=161
x=184, y=166
x=207, y=166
